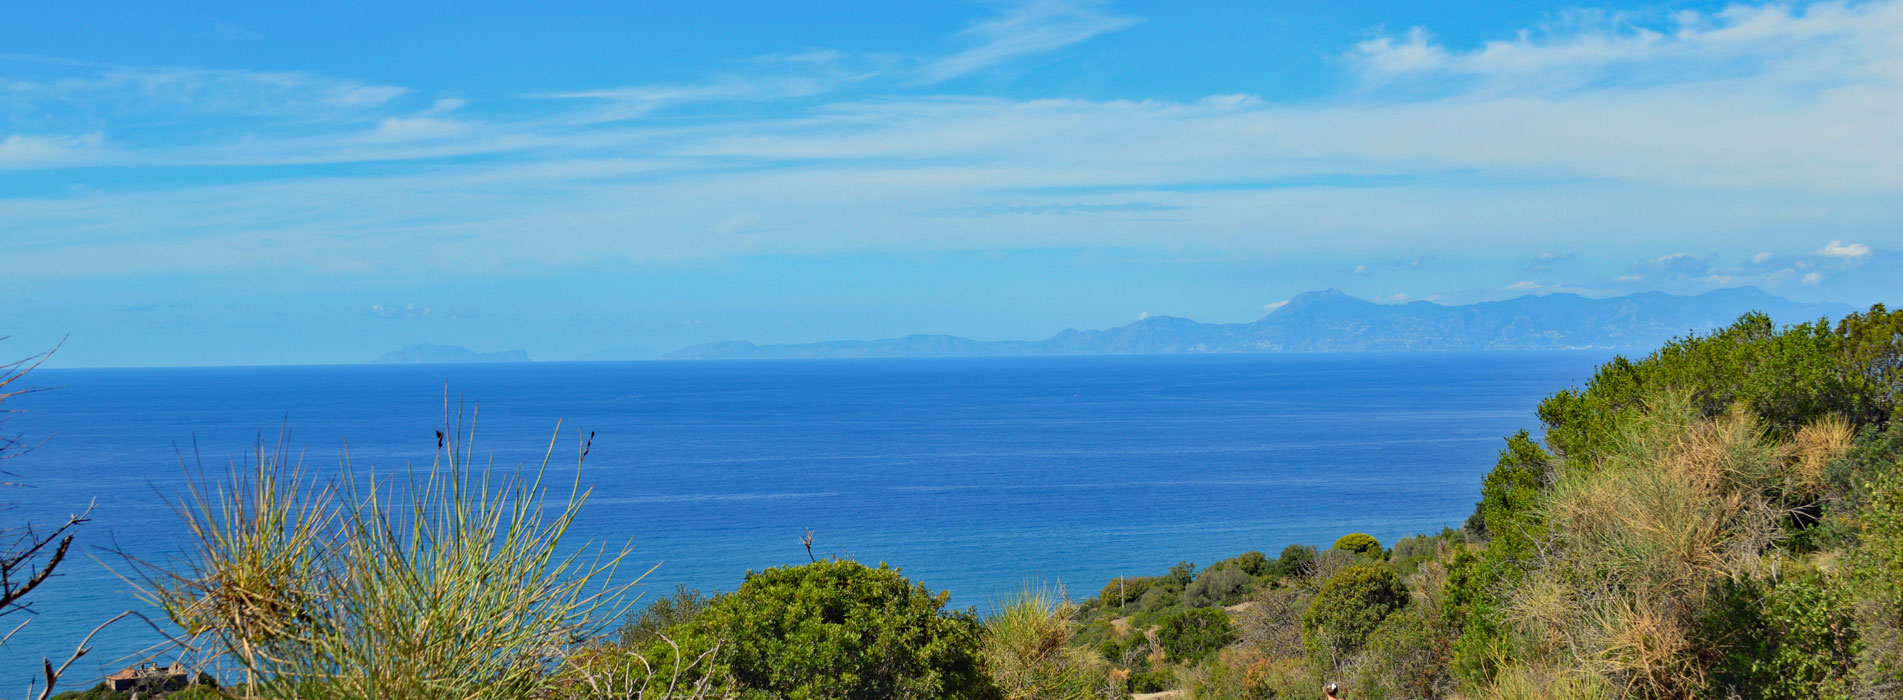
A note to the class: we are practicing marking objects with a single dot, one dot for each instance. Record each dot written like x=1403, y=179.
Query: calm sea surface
x=974, y=476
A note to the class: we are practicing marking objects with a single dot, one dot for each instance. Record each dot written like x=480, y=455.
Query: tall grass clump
x=1640, y=543
x=450, y=583
x=1027, y=651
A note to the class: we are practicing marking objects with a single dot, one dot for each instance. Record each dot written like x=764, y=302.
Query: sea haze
x=973, y=475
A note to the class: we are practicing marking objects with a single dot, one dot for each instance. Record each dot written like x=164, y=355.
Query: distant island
x=1331, y=321
x=426, y=353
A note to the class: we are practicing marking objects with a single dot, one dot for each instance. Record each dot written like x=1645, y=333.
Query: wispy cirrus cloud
x=1032, y=28
x=132, y=92
x=863, y=158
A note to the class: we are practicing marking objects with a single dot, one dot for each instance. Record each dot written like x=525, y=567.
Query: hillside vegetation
x=1722, y=518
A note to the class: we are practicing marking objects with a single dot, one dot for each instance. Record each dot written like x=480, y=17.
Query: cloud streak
x=1741, y=125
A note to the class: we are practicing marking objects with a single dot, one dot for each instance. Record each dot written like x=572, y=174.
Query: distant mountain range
x=1330, y=321
x=425, y=353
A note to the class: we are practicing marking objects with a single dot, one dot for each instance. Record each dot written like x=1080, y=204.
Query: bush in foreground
x=840, y=629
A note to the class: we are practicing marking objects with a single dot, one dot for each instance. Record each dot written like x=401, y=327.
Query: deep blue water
x=974, y=476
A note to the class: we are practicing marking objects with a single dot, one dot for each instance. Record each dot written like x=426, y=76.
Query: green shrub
x=1253, y=563
x=840, y=629
x=1877, y=572
x=1191, y=634
x=1789, y=640
x=1359, y=543
x=1181, y=573
x=1216, y=587
x=1347, y=608
x=645, y=627
x=1122, y=590
x=1295, y=560
x=1406, y=656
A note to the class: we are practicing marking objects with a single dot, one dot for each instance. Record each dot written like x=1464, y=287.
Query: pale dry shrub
x=1812, y=450
x=614, y=672
x=1545, y=683
x=1637, y=542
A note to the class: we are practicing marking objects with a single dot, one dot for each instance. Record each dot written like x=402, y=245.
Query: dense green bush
x=1877, y=572
x=1406, y=656
x=1215, y=587
x=1348, y=608
x=1189, y=635
x=1123, y=590
x=1295, y=560
x=840, y=629
x=1253, y=563
x=1792, y=639
x=1181, y=573
x=1359, y=543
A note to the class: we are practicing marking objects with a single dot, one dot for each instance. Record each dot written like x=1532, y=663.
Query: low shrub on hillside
x=1347, y=609
x=1191, y=634
x=1359, y=543
x=840, y=629
x=1217, y=587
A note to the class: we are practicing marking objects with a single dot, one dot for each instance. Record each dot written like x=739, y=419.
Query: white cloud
x=1838, y=249
x=1361, y=269
x=1035, y=27
x=1524, y=286
x=1271, y=306
x=1813, y=278
x=106, y=88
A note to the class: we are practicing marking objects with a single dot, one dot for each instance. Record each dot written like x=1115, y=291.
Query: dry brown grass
x=1639, y=540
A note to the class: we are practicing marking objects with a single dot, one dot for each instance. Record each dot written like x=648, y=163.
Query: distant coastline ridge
x=1332, y=321
x=426, y=353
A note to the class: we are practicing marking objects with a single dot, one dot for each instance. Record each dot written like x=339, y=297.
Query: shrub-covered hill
x=1722, y=518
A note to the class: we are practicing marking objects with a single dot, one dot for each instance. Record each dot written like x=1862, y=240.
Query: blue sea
x=974, y=476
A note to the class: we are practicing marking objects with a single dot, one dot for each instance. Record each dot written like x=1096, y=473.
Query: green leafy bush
x=1295, y=560
x=1406, y=656
x=1359, y=543
x=1225, y=586
x=1253, y=563
x=1348, y=608
x=1181, y=573
x=840, y=629
x=1792, y=639
x=1191, y=634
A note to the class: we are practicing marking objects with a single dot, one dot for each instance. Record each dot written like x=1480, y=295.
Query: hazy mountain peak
x=1330, y=320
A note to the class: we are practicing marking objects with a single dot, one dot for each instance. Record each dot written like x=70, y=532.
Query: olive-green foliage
x=1123, y=590
x=1787, y=377
x=842, y=630
x=1295, y=560
x=1359, y=543
x=1406, y=656
x=1189, y=635
x=1253, y=563
x=1027, y=652
x=1792, y=639
x=1508, y=494
x=1217, y=586
x=1348, y=607
x=645, y=627
x=1181, y=573
x=1877, y=573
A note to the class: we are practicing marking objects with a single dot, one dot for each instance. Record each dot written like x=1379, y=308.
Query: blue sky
x=238, y=183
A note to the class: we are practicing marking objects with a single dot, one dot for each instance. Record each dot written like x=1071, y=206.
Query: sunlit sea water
x=972, y=475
